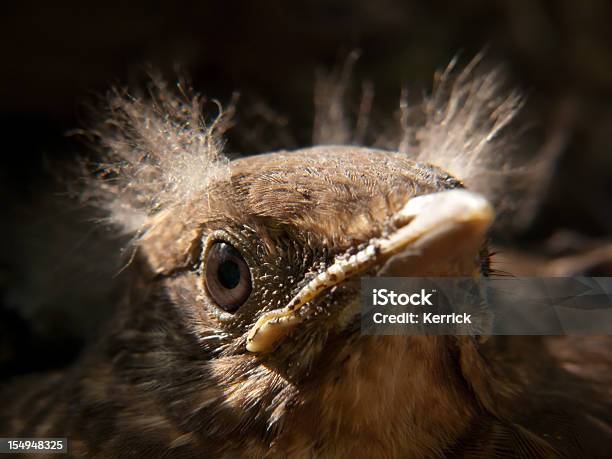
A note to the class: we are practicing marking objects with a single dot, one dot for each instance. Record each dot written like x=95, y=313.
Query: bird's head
x=258, y=262
x=277, y=246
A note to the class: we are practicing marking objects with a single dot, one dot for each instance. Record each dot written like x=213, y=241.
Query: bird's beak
x=427, y=230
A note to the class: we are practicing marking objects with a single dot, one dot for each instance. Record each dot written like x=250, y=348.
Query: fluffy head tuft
x=158, y=153
x=462, y=127
x=463, y=124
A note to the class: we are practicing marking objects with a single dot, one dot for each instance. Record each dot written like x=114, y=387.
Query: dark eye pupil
x=229, y=274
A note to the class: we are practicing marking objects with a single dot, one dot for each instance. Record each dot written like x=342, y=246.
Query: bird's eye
x=228, y=278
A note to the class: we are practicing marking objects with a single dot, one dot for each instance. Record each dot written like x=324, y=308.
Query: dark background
x=57, y=267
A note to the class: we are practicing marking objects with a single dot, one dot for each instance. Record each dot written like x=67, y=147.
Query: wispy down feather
x=158, y=153
x=462, y=127
x=464, y=121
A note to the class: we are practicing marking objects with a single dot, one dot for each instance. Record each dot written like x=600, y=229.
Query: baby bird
x=240, y=336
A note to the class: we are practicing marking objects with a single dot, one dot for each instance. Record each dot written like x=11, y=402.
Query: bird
x=240, y=333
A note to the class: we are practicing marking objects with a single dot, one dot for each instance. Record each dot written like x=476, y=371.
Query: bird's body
x=240, y=335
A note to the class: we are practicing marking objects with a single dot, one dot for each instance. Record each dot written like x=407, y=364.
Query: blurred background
x=58, y=268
